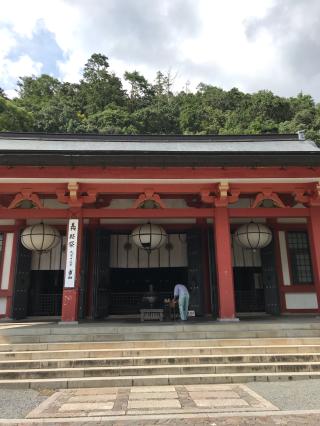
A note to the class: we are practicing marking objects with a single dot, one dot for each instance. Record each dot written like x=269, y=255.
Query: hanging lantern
x=40, y=237
x=253, y=236
x=149, y=236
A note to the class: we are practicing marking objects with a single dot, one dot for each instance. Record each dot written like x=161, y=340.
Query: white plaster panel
x=175, y=203
x=292, y=220
x=241, y=203
x=284, y=258
x=52, y=203
x=301, y=301
x=125, y=203
x=7, y=261
x=7, y=221
x=121, y=203
x=3, y=305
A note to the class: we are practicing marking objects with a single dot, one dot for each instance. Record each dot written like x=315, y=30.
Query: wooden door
x=213, y=274
x=270, y=279
x=195, y=272
x=83, y=274
x=21, y=282
x=101, y=283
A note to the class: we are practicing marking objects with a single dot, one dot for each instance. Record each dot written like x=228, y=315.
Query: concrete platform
x=112, y=330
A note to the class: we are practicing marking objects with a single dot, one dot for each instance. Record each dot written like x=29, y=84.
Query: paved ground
x=17, y=403
x=144, y=400
x=297, y=395
x=228, y=419
x=215, y=405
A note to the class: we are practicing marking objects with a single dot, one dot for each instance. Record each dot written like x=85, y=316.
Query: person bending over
x=181, y=293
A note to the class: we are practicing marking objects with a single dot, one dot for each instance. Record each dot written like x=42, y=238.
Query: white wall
x=7, y=261
x=3, y=305
x=125, y=203
x=138, y=258
x=301, y=301
x=292, y=220
x=284, y=258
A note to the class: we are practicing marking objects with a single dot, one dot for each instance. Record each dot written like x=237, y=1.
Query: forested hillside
x=99, y=103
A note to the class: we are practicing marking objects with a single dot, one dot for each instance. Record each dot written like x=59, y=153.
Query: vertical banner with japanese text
x=71, y=257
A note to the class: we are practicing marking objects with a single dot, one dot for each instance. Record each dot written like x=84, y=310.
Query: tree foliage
x=100, y=103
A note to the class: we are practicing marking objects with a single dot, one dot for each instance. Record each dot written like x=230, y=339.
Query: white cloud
x=10, y=71
x=249, y=44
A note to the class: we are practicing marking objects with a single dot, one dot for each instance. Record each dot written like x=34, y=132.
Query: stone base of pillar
x=228, y=319
x=68, y=322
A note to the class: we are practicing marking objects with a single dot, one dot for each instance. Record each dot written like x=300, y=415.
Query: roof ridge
x=149, y=138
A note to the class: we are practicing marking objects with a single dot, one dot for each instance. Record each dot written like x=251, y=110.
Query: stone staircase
x=52, y=356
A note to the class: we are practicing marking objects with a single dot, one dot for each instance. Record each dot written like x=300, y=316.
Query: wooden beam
x=271, y=212
x=96, y=172
x=176, y=188
x=152, y=213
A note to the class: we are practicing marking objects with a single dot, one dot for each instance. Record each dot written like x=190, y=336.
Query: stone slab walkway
x=144, y=400
x=289, y=418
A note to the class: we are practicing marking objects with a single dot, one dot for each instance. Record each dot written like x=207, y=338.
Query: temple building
x=95, y=226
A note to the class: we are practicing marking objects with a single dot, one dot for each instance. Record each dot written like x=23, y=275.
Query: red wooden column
x=314, y=238
x=224, y=269
x=70, y=297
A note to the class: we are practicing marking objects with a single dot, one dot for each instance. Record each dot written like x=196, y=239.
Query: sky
x=248, y=44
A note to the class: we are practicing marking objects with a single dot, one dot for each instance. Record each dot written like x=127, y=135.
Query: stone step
x=198, y=369
x=153, y=352
x=154, y=380
x=160, y=344
x=158, y=360
x=163, y=334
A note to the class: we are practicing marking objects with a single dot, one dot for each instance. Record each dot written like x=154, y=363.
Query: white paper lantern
x=40, y=237
x=149, y=236
x=253, y=236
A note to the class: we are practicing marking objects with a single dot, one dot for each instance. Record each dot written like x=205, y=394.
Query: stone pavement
x=292, y=418
x=209, y=405
x=142, y=400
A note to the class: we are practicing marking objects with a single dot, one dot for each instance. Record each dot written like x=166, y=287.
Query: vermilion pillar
x=223, y=251
x=314, y=237
x=70, y=297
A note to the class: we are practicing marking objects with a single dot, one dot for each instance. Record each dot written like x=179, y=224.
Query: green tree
x=3, y=94
x=112, y=120
x=141, y=92
x=99, y=87
x=100, y=104
x=13, y=118
x=34, y=92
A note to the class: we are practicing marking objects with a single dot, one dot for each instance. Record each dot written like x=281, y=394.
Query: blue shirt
x=180, y=290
